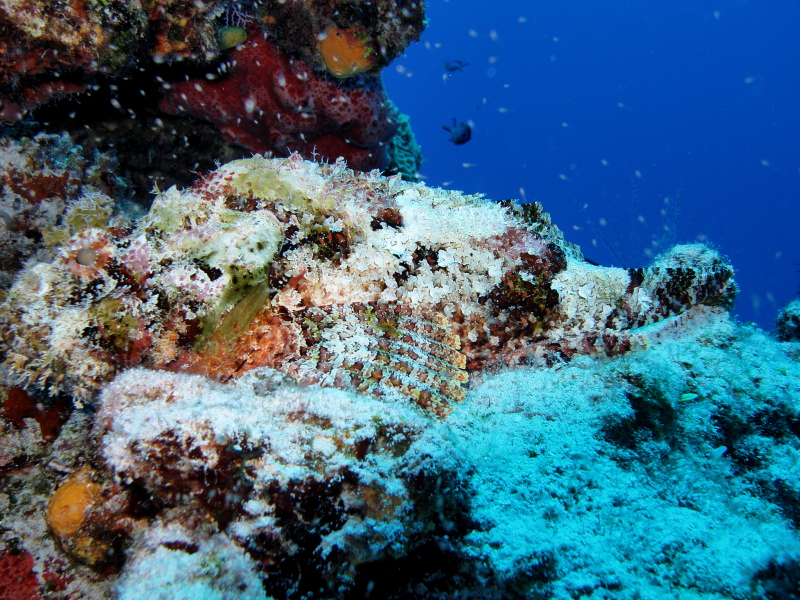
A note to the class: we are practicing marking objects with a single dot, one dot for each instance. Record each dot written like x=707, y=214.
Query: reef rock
x=268, y=101
x=787, y=323
x=277, y=77
x=311, y=483
x=298, y=387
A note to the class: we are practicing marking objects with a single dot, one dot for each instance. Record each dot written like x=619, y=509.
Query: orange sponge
x=68, y=512
x=344, y=54
x=71, y=503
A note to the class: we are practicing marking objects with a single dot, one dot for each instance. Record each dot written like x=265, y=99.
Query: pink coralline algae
x=17, y=579
x=271, y=102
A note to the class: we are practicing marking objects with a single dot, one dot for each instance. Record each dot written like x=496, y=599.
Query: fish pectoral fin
x=390, y=351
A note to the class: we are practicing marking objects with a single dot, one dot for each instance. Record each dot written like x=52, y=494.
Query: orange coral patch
x=344, y=54
x=71, y=503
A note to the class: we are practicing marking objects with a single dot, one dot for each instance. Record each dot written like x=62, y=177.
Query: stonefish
x=344, y=279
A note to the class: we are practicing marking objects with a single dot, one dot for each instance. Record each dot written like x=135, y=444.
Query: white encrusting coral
x=192, y=442
x=218, y=569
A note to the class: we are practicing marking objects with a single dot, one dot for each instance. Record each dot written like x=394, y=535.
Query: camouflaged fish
x=344, y=279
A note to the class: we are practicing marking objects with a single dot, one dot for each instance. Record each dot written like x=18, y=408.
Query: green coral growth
x=405, y=156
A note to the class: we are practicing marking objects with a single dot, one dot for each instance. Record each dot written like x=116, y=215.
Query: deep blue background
x=618, y=111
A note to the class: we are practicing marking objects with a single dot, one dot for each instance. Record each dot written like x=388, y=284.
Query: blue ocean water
x=636, y=124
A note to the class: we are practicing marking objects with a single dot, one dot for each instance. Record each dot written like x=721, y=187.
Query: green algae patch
x=259, y=178
x=256, y=177
x=229, y=37
x=235, y=323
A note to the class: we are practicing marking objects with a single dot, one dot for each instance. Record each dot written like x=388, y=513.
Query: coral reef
x=182, y=29
x=87, y=516
x=650, y=476
x=43, y=39
x=27, y=486
x=405, y=156
x=330, y=276
x=317, y=485
x=787, y=323
x=169, y=563
x=256, y=70
x=346, y=37
x=49, y=191
x=289, y=380
x=17, y=578
x=267, y=100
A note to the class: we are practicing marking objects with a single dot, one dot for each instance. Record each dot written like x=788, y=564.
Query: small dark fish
x=451, y=66
x=459, y=134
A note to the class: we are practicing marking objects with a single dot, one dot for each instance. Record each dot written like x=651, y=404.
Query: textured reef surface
x=294, y=380
x=171, y=86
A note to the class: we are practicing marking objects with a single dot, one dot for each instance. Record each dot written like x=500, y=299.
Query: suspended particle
x=756, y=300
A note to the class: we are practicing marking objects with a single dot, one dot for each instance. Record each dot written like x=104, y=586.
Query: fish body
x=460, y=133
x=337, y=278
x=451, y=66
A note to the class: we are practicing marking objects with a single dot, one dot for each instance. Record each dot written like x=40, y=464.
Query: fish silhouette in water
x=459, y=134
x=451, y=66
